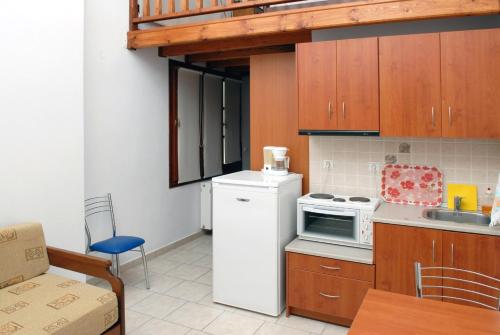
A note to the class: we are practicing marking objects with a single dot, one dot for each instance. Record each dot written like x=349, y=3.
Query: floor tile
x=335, y=330
x=160, y=283
x=184, y=256
x=203, y=248
x=160, y=265
x=233, y=324
x=160, y=327
x=205, y=261
x=196, y=332
x=260, y=316
x=274, y=329
x=132, y=276
x=134, y=320
x=194, y=316
x=157, y=305
x=301, y=323
x=133, y=295
x=208, y=301
x=189, y=290
x=206, y=278
x=188, y=272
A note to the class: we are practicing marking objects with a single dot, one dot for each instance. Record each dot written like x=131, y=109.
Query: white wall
x=41, y=118
x=126, y=132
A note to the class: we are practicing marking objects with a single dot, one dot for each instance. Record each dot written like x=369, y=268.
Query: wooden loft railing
x=283, y=21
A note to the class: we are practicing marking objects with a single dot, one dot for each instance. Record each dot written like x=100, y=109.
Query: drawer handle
x=329, y=296
x=330, y=267
x=243, y=199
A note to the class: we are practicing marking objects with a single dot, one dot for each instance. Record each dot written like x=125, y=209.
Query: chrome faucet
x=457, y=203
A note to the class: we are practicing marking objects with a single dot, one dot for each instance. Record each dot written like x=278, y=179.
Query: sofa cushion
x=23, y=254
x=51, y=304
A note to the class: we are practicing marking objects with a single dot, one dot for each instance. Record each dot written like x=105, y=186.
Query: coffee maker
x=276, y=163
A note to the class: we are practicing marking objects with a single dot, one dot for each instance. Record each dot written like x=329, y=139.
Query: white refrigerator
x=254, y=217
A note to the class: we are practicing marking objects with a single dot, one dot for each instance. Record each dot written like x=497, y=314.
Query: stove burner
x=359, y=199
x=339, y=200
x=321, y=196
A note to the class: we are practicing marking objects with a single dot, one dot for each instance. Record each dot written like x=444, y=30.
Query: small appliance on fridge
x=254, y=218
x=276, y=162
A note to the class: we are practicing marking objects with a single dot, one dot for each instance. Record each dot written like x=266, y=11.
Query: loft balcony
x=180, y=27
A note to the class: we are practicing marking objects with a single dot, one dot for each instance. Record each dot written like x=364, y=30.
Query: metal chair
x=116, y=244
x=483, y=282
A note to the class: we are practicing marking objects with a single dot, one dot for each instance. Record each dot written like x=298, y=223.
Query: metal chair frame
x=420, y=287
x=102, y=204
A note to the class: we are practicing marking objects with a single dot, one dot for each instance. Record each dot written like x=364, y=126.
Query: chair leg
x=145, y=263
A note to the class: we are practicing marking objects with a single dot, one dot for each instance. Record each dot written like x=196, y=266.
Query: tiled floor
x=180, y=301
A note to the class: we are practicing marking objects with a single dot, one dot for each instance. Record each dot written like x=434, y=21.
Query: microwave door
x=341, y=225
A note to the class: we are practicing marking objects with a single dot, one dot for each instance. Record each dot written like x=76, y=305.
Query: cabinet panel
x=329, y=295
x=479, y=253
x=471, y=82
x=410, y=98
x=397, y=248
x=316, y=75
x=357, y=84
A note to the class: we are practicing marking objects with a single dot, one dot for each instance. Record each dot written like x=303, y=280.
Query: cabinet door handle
x=433, y=251
x=329, y=296
x=330, y=267
x=433, y=112
x=452, y=254
x=329, y=110
x=449, y=116
x=243, y=199
x=343, y=110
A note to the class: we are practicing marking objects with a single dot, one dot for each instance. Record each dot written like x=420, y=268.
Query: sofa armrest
x=93, y=266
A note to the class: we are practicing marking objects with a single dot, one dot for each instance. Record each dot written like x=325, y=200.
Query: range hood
x=339, y=132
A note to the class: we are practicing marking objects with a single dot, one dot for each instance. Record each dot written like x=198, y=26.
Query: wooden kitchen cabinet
x=410, y=85
x=338, y=85
x=357, y=84
x=317, y=90
x=397, y=248
x=479, y=253
x=326, y=289
x=470, y=63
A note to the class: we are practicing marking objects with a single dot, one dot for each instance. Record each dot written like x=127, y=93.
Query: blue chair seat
x=117, y=244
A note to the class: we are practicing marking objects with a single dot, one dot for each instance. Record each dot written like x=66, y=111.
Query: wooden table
x=396, y=314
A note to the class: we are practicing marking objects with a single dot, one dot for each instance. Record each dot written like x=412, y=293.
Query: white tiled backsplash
x=461, y=161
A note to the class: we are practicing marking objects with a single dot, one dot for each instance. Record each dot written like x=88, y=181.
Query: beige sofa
x=33, y=301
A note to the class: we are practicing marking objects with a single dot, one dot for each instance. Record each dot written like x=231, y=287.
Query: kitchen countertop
x=328, y=250
x=406, y=215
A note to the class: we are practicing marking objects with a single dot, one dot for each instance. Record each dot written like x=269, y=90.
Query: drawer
x=331, y=266
x=325, y=294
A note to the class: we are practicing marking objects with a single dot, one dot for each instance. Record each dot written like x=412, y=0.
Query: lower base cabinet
x=326, y=289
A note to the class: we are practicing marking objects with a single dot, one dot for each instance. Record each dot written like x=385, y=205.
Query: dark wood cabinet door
x=470, y=62
x=397, y=248
x=357, y=84
x=473, y=252
x=316, y=76
x=410, y=80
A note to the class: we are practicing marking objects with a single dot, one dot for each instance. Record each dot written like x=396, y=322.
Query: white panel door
x=212, y=126
x=245, y=248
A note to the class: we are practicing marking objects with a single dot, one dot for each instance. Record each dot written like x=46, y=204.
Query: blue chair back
x=96, y=205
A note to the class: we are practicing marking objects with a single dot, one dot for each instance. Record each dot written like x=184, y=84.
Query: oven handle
x=329, y=212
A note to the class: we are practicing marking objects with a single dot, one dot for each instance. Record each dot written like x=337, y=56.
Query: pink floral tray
x=412, y=185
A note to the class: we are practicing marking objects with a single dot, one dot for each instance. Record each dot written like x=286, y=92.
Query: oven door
x=332, y=225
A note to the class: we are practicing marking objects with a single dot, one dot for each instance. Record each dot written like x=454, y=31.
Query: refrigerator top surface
x=255, y=178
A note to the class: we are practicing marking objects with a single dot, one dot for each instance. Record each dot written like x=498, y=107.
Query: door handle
x=433, y=113
x=452, y=254
x=243, y=199
x=449, y=116
x=433, y=251
x=329, y=296
x=329, y=110
x=330, y=267
x=343, y=110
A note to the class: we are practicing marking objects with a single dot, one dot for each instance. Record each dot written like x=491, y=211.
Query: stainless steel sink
x=456, y=216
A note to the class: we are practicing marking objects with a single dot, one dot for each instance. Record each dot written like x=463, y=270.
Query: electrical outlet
x=327, y=164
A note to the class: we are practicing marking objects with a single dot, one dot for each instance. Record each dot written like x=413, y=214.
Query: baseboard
x=154, y=253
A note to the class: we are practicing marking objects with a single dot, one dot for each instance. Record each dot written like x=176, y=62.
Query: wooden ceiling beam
x=321, y=17
x=238, y=54
x=240, y=62
x=236, y=43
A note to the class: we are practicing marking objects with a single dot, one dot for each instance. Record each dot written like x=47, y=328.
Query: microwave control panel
x=366, y=227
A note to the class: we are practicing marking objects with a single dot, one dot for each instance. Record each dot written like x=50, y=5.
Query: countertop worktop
x=328, y=250
x=406, y=215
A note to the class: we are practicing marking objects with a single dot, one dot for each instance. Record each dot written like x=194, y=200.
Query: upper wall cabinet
x=470, y=63
x=410, y=97
x=317, y=85
x=338, y=85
